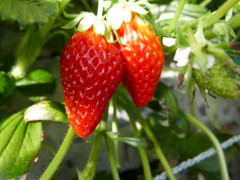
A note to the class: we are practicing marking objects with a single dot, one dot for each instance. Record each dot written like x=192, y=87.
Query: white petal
x=210, y=62
x=182, y=56
x=169, y=41
x=127, y=16
x=114, y=16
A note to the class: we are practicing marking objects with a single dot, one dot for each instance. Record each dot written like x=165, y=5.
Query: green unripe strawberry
x=218, y=82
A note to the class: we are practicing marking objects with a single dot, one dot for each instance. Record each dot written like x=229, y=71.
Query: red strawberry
x=143, y=59
x=91, y=70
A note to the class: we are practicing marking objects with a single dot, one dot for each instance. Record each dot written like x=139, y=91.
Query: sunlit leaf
x=28, y=11
x=20, y=143
x=46, y=111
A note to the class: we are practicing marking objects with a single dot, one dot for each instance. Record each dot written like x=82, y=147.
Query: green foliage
x=46, y=111
x=29, y=11
x=20, y=144
x=165, y=127
x=7, y=84
x=36, y=84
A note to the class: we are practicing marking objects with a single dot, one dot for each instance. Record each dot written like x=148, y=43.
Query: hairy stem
x=177, y=14
x=100, y=8
x=55, y=163
x=222, y=161
x=214, y=17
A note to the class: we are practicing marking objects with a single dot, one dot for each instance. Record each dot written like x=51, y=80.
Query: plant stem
x=223, y=166
x=234, y=22
x=55, y=163
x=100, y=8
x=215, y=114
x=177, y=14
x=87, y=6
x=205, y=3
x=129, y=104
x=115, y=130
x=142, y=152
x=219, y=13
x=95, y=148
x=111, y=159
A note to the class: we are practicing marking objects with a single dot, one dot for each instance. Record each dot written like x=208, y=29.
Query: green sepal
x=73, y=23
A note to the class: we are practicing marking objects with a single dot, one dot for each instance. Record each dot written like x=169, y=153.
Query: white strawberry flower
x=121, y=12
x=182, y=58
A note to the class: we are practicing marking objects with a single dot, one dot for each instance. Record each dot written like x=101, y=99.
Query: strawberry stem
x=95, y=148
x=172, y=24
x=111, y=158
x=223, y=166
x=129, y=104
x=205, y=3
x=214, y=17
x=115, y=130
x=100, y=8
x=142, y=152
x=55, y=163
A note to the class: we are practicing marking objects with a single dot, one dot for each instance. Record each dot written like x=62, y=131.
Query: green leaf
x=28, y=11
x=7, y=84
x=166, y=97
x=135, y=142
x=46, y=111
x=38, y=76
x=37, y=84
x=20, y=143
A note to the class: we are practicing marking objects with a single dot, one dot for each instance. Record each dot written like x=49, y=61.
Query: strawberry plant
x=83, y=65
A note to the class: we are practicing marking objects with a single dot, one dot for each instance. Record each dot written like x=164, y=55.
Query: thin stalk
x=215, y=114
x=219, y=13
x=111, y=158
x=205, y=3
x=142, y=152
x=115, y=130
x=234, y=22
x=87, y=6
x=55, y=163
x=217, y=146
x=100, y=8
x=95, y=148
x=151, y=136
x=177, y=15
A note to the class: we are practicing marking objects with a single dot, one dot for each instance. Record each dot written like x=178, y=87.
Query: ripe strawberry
x=91, y=70
x=218, y=82
x=143, y=59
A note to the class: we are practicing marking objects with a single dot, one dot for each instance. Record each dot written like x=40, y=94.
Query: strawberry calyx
x=86, y=20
